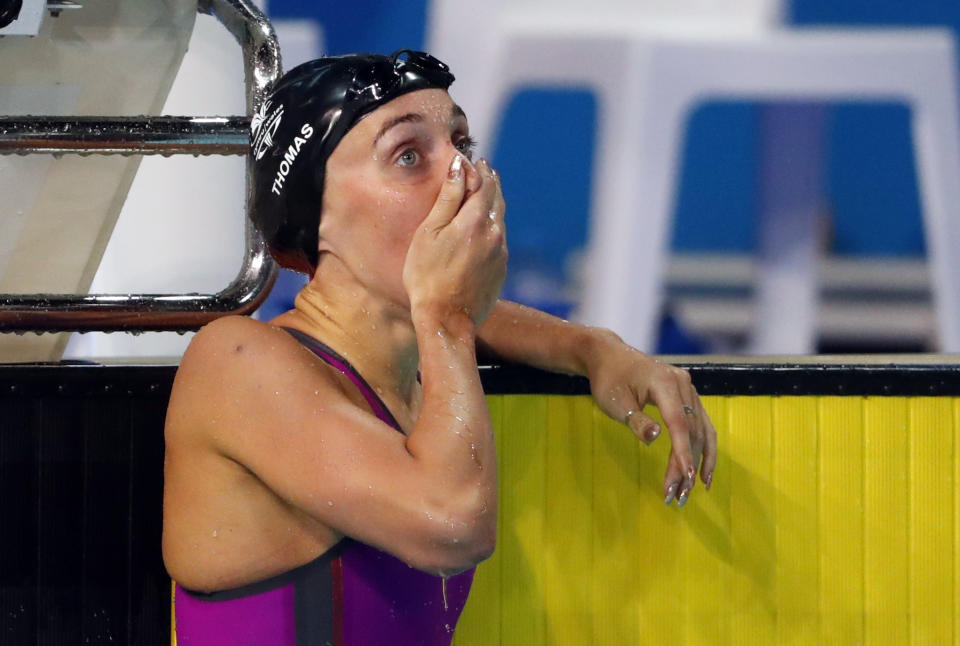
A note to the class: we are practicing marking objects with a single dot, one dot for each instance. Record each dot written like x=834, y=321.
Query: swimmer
x=331, y=475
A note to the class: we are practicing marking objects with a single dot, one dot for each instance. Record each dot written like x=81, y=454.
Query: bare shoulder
x=238, y=394
x=233, y=341
x=234, y=370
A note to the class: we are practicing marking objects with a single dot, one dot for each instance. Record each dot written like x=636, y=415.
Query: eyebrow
x=412, y=117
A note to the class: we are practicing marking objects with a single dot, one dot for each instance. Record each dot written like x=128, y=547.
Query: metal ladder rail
x=162, y=135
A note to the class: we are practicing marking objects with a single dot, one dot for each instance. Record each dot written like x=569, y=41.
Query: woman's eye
x=408, y=158
x=466, y=146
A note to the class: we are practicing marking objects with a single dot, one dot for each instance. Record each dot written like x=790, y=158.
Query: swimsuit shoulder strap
x=330, y=356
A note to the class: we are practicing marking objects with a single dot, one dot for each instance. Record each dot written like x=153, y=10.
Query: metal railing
x=162, y=135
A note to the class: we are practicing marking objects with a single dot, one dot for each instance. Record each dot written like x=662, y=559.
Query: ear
x=323, y=241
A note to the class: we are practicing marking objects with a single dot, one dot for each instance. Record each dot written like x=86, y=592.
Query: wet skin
x=272, y=456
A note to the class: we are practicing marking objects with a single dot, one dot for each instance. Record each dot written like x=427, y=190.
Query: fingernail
x=709, y=481
x=654, y=432
x=456, y=169
x=671, y=490
x=682, y=500
x=691, y=473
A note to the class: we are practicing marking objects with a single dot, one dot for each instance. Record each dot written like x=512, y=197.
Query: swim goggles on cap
x=382, y=78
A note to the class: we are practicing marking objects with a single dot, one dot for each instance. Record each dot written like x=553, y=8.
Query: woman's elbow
x=480, y=543
x=459, y=540
x=457, y=557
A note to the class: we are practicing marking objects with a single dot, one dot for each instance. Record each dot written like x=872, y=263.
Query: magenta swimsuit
x=351, y=595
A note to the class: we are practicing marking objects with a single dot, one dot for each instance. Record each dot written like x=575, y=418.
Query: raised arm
x=623, y=380
x=251, y=393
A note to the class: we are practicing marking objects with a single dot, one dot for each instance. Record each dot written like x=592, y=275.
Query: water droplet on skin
x=329, y=503
x=214, y=533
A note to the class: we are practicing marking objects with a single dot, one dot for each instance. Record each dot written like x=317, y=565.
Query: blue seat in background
x=872, y=193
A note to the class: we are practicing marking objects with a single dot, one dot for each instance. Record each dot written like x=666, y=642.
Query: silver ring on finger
x=689, y=410
x=626, y=419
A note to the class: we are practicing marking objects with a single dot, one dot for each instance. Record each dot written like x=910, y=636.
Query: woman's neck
x=376, y=336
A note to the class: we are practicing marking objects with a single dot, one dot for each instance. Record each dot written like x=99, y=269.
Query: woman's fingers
x=709, y=451
x=674, y=412
x=483, y=210
x=499, y=207
x=486, y=189
x=450, y=198
x=643, y=426
x=472, y=174
x=703, y=440
x=692, y=435
x=458, y=257
x=472, y=193
x=624, y=380
x=694, y=418
x=676, y=481
x=672, y=481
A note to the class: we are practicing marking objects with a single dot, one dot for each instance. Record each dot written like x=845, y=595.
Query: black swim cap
x=299, y=125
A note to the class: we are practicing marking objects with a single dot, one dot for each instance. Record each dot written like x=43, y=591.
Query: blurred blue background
x=545, y=145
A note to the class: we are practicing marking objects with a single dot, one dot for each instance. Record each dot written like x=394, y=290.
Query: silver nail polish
x=682, y=500
x=671, y=490
x=456, y=168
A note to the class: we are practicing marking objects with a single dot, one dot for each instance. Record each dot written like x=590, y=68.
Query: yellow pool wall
x=831, y=520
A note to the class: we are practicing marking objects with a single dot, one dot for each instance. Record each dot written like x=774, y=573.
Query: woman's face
x=382, y=180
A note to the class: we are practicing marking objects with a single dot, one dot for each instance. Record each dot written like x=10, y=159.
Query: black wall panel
x=81, y=487
x=81, y=482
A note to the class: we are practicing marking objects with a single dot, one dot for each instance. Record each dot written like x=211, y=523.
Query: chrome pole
x=39, y=313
